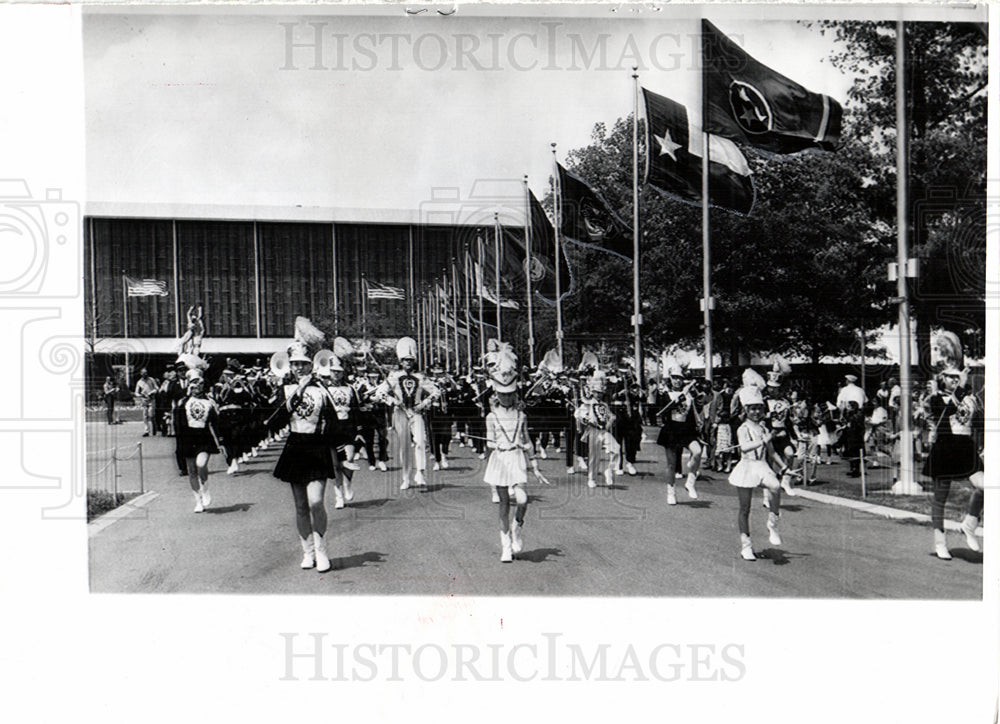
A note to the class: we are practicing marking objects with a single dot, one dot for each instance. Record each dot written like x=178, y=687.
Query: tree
x=946, y=76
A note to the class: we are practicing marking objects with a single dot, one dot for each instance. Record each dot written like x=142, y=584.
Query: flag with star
x=673, y=159
x=749, y=102
x=588, y=220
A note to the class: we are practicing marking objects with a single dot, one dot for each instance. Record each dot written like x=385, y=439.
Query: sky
x=230, y=108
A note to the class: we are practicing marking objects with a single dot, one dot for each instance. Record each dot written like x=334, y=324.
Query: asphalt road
x=444, y=539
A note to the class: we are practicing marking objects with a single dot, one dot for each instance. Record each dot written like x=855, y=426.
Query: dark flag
x=589, y=220
x=673, y=159
x=543, y=255
x=753, y=104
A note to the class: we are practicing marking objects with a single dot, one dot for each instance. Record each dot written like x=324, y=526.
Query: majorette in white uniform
x=409, y=393
x=595, y=420
x=509, y=443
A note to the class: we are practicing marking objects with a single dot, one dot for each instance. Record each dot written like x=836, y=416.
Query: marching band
x=326, y=405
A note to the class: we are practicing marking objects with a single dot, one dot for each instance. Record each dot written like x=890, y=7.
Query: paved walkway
x=445, y=540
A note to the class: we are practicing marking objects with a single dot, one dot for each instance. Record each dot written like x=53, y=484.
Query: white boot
x=591, y=483
x=689, y=486
x=516, y=542
x=506, y=555
x=772, y=529
x=496, y=495
x=609, y=477
x=206, y=497
x=444, y=461
x=322, y=561
x=969, y=524
x=437, y=465
x=381, y=466
x=338, y=497
x=941, y=546
x=308, y=553
x=199, y=506
x=671, y=495
x=233, y=467
x=581, y=464
x=542, y=454
x=419, y=480
x=630, y=468
x=348, y=491
x=746, y=548
x=786, y=484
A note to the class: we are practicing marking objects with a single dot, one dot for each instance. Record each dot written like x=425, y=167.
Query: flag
x=753, y=104
x=673, y=159
x=374, y=290
x=543, y=255
x=486, y=290
x=144, y=287
x=589, y=220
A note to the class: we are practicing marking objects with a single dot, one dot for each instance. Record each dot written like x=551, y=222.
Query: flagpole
x=527, y=275
x=333, y=250
x=907, y=484
x=479, y=292
x=364, y=306
x=468, y=311
x=128, y=383
x=556, y=207
x=706, y=247
x=444, y=322
x=636, y=308
x=496, y=268
x=454, y=315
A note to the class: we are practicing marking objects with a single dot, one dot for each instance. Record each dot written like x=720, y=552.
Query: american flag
x=145, y=287
x=374, y=290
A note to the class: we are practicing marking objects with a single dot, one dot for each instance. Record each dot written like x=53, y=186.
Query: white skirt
x=823, y=437
x=751, y=473
x=506, y=468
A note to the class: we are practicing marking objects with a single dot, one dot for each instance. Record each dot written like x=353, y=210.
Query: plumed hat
x=406, y=348
x=750, y=395
x=751, y=378
x=308, y=334
x=503, y=368
x=192, y=361
x=298, y=352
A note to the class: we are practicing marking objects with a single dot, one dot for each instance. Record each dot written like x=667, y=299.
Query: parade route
x=444, y=539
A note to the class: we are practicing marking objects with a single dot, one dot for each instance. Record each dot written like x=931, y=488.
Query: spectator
x=145, y=391
x=110, y=393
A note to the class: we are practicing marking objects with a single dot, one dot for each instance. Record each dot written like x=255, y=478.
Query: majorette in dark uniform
x=235, y=401
x=307, y=460
x=409, y=392
x=955, y=417
x=194, y=421
x=679, y=431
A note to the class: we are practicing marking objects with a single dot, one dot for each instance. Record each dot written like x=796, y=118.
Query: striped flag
x=145, y=287
x=374, y=290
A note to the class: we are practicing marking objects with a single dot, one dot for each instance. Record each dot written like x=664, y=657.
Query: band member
x=679, y=432
x=753, y=470
x=372, y=420
x=509, y=444
x=628, y=422
x=954, y=415
x=439, y=418
x=306, y=462
x=594, y=423
x=777, y=409
x=195, y=420
x=410, y=393
x=343, y=427
x=235, y=400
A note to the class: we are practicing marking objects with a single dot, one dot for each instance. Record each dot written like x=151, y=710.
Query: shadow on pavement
x=358, y=561
x=237, y=508
x=539, y=555
x=373, y=503
x=967, y=554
